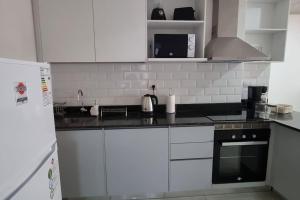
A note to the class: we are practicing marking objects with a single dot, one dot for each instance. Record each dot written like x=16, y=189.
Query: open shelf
x=171, y=24
x=265, y=30
x=267, y=14
x=177, y=59
x=271, y=43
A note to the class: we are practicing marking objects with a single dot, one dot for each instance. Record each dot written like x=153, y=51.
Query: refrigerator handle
x=36, y=169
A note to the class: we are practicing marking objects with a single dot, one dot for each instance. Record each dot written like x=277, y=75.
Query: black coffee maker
x=254, y=96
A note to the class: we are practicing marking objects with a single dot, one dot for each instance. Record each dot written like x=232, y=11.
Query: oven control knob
x=254, y=136
x=239, y=178
x=244, y=136
x=233, y=137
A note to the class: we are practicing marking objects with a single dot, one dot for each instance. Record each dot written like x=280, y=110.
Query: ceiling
x=295, y=6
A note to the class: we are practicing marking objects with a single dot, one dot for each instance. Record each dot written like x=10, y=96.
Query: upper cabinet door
x=66, y=30
x=120, y=30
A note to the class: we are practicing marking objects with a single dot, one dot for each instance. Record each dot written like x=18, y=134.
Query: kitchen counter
x=133, y=120
x=288, y=120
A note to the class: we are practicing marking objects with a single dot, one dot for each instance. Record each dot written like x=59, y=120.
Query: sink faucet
x=80, y=100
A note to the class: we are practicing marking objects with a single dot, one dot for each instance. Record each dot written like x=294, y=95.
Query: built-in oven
x=240, y=155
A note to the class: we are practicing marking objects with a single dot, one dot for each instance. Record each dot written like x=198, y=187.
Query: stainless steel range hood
x=225, y=44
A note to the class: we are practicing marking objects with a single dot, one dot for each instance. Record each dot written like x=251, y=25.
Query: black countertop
x=133, y=120
x=288, y=120
x=187, y=115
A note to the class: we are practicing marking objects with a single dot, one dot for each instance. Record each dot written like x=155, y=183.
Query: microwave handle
x=227, y=144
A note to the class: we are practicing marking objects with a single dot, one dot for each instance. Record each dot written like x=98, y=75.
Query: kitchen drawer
x=192, y=134
x=190, y=175
x=192, y=150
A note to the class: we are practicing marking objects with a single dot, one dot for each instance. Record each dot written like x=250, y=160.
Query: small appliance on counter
x=174, y=45
x=257, y=103
x=149, y=102
x=158, y=14
x=185, y=13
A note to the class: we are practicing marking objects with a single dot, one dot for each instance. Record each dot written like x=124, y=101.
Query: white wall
x=285, y=77
x=125, y=83
x=17, y=32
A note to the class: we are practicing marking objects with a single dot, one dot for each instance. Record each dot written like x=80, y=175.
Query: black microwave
x=174, y=45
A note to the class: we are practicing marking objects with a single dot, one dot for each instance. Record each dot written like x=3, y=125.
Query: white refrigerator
x=28, y=152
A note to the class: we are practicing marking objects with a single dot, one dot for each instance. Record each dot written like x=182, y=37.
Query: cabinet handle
x=185, y=159
x=228, y=144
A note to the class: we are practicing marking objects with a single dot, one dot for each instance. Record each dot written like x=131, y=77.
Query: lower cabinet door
x=137, y=161
x=188, y=175
x=81, y=163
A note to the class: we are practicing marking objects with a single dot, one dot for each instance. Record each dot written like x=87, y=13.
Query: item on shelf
x=174, y=45
x=158, y=14
x=184, y=13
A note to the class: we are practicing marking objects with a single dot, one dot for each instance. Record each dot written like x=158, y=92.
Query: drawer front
x=192, y=150
x=192, y=134
x=191, y=175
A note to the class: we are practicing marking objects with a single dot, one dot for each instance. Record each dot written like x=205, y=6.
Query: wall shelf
x=265, y=30
x=170, y=24
x=266, y=24
x=177, y=59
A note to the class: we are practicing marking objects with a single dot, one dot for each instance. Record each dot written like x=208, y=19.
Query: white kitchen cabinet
x=285, y=163
x=265, y=26
x=191, y=158
x=64, y=30
x=137, y=161
x=188, y=175
x=82, y=164
x=120, y=30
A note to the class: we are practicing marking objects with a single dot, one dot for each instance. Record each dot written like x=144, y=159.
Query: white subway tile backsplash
x=212, y=91
x=234, y=82
x=196, y=75
x=172, y=67
x=196, y=91
x=180, y=75
x=220, y=67
x=233, y=98
x=156, y=67
x=218, y=99
x=172, y=84
x=188, y=99
x=227, y=90
x=115, y=76
x=203, y=99
x=139, y=67
x=189, y=67
x=103, y=68
x=140, y=75
x=141, y=84
x=212, y=75
x=164, y=76
x=122, y=68
x=204, y=67
x=125, y=83
x=188, y=84
x=219, y=83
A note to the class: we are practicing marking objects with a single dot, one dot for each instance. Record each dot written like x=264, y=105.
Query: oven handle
x=227, y=144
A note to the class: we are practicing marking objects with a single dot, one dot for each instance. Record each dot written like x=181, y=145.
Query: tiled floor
x=232, y=196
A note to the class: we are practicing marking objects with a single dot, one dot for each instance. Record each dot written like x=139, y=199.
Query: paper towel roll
x=171, y=104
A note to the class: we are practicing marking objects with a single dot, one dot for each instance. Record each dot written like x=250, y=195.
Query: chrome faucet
x=80, y=100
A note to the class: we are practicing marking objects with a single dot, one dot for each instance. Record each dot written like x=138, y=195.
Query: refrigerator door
x=26, y=120
x=43, y=184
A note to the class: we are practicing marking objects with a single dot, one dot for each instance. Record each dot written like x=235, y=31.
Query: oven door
x=243, y=161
